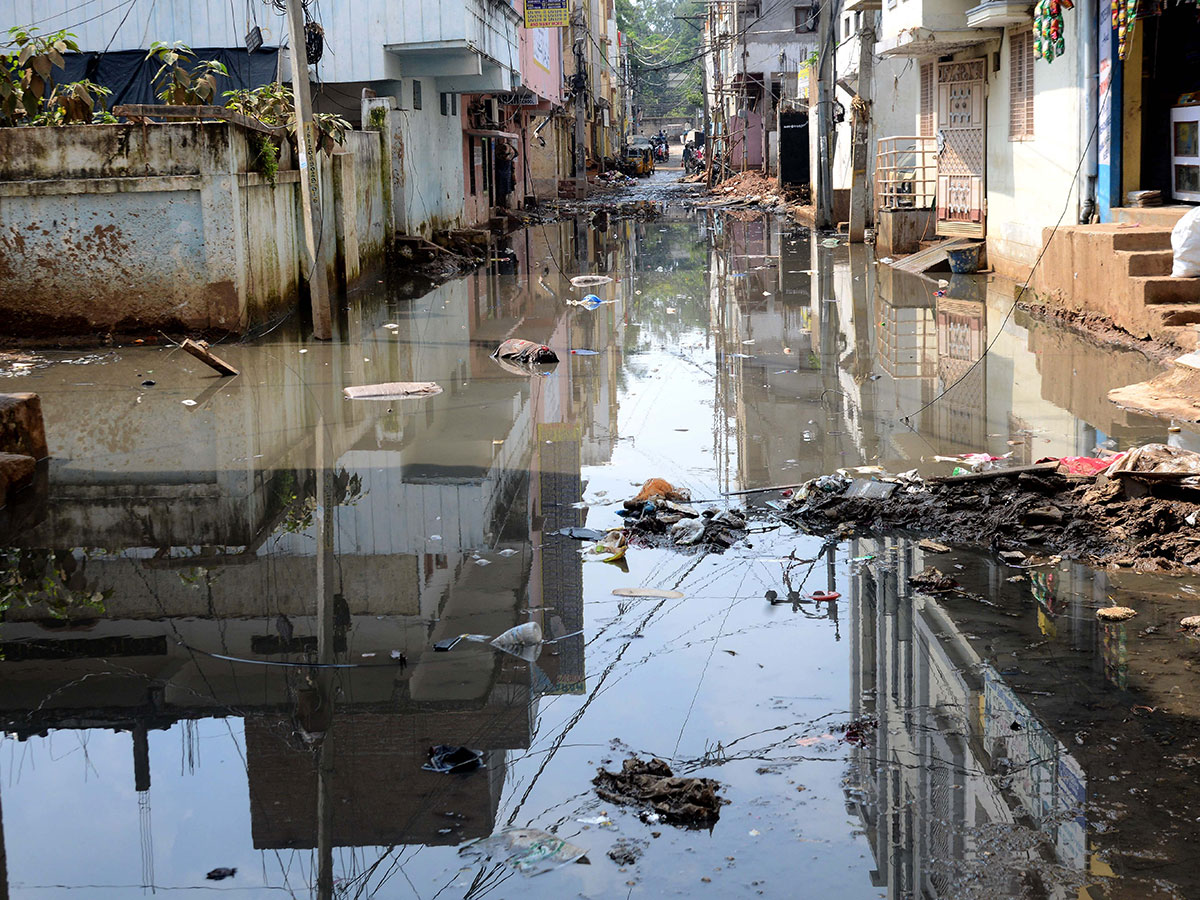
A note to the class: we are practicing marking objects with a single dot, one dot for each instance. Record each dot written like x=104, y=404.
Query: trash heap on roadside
x=1135, y=510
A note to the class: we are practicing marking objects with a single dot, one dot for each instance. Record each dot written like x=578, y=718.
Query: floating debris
x=530, y=851
x=691, y=802
x=392, y=390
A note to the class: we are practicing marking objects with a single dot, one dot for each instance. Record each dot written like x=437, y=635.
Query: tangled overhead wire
x=314, y=42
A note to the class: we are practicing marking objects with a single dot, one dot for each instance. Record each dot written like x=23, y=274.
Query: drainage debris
x=582, y=281
x=525, y=352
x=392, y=390
x=661, y=509
x=1140, y=513
x=530, y=851
x=444, y=759
x=691, y=802
x=581, y=534
x=1115, y=613
x=201, y=351
x=221, y=874
x=657, y=593
x=626, y=851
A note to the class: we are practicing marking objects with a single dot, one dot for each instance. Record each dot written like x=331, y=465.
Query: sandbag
x=1185, y=241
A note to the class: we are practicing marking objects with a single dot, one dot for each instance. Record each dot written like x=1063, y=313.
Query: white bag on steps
x=1185, y=241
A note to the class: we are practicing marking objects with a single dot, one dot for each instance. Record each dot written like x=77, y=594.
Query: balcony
x=918, y=28
x=470, y=46
x=906, y=173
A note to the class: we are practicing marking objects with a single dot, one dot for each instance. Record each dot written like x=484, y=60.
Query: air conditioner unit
x=491, y=112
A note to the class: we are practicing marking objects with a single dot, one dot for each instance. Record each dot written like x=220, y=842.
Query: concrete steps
x=1123, y=271
x=1147, y=262
x=1174, y=314
x=1139, y=238
x=1160, y=289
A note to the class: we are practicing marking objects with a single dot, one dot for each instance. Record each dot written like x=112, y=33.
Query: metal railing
x=906, y=173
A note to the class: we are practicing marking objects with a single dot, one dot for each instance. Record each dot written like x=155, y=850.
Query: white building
x=1008, y=131
x=419, y=54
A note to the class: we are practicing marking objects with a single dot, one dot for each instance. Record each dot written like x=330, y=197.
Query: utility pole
x=824, y=210
x=306, y=145
x=578, y=30
x=860, y=118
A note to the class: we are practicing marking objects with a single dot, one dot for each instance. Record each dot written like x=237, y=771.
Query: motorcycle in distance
x=693, y=161
x=662, y=152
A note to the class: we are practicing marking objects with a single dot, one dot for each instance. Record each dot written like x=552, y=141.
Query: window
x=454, y=104
x=416, y=95
x=1020, y=87
x=472, y=162
x=444, y=103
x=806, y=20
x=925, y=118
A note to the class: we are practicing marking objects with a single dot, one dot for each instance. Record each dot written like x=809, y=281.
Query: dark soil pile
x=1104, y=523
x=692, y=802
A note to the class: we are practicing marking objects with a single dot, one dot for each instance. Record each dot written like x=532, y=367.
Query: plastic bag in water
x=530, y=851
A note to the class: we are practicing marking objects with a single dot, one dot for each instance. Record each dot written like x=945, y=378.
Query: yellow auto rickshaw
x=637, y=157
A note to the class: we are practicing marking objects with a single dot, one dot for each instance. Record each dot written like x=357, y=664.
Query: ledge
x=999, y=13
x=926, y=42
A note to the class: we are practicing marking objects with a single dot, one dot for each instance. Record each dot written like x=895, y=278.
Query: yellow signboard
x=545, y=13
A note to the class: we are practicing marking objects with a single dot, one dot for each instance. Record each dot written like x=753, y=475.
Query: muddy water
x=223, y=596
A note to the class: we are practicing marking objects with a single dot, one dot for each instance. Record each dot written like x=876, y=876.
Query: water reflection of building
x=778, y=350
x=1015, y=753
x=202, y=526
x=959, y=768
x=954, y=372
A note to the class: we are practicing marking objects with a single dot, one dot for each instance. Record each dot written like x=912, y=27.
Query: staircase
x=1123, y=271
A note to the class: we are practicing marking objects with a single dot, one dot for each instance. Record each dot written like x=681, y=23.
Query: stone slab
x=16, y=471
x=22, y=430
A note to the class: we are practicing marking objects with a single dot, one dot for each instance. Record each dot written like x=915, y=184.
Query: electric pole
x=860, y=187
x=824, y=210
x=306, y=146
x=578, y=30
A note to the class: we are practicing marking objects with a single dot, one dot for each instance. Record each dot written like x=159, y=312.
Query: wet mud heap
x=1124, y=523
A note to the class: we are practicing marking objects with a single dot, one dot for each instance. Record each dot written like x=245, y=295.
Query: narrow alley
x=205, y=541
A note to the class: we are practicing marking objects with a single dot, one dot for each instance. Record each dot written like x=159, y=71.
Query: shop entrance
x=1170, y=100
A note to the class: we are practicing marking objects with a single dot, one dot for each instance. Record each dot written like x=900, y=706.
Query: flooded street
x=222, y=597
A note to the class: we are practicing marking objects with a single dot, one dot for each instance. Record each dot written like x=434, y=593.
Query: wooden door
x=962, y=148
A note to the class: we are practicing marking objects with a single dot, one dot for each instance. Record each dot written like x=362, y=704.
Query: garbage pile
x=660, y=511
x=691, y=802
x=1136, y=510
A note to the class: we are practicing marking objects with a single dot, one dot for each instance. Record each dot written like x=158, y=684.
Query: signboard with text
x=545, y=13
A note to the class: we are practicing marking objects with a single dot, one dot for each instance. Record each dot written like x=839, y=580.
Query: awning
x=489, y=133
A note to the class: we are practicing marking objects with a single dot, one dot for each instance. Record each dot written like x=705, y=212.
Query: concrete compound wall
x=163, y=226
x=425, y=190
x=1030, y=183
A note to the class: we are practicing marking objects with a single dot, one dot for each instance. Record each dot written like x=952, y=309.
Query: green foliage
x=266, y=156
x=273, y=104
x=46, y=578
x=378, y=118
x=664, y=54
x=28, y=93
x=175, y=84
x=76, y=103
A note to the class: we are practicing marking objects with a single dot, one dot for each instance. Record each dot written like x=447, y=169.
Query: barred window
x=927, y=117
x=1020, y=99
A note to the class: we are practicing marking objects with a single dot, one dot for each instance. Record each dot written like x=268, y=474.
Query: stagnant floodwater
x=207, y=538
